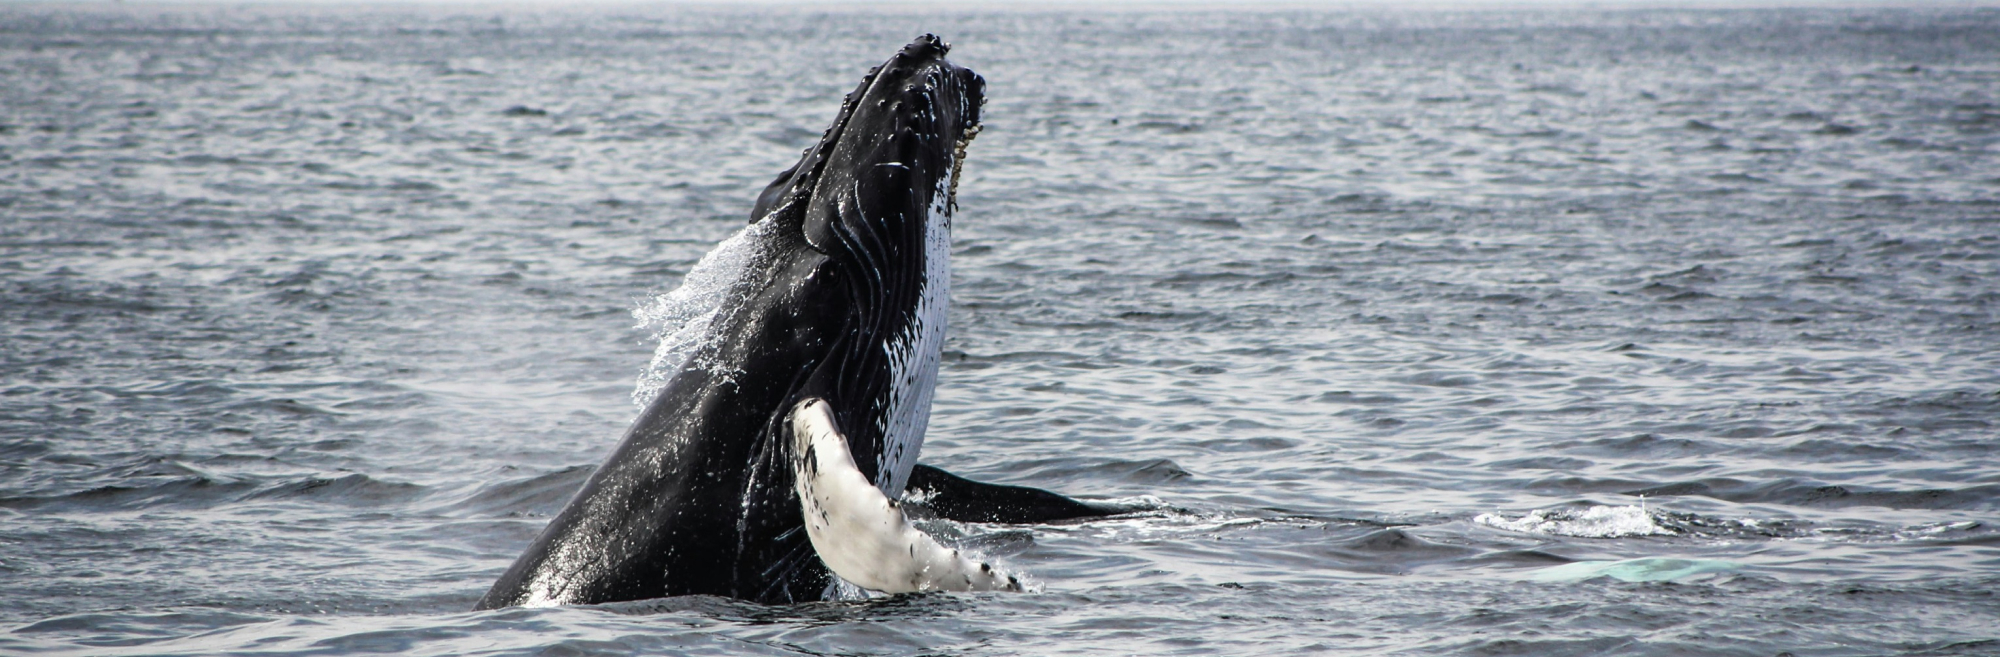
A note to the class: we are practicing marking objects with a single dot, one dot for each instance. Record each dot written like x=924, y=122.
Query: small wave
x=1152, y=520
x=1808, y=493
x=1148, y=471
x=1961, y=532
x=539, y=495
x=1135, y=503
x=1623, y=521
x=352, y=489
x=1395, y=544
x=1932, y=530
x=1590, y=522
x=190, y=488
x=136, y=628
x=1645, y=569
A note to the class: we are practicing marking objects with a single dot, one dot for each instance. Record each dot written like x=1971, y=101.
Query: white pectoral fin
x=862, y=534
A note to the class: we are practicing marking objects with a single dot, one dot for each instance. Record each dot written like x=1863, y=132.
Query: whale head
x=876, y=195
x=904, y=129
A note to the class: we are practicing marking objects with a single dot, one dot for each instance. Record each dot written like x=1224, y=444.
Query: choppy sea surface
x=1555, y=331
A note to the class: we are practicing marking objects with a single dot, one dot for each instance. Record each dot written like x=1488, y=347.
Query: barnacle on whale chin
x=958, y=162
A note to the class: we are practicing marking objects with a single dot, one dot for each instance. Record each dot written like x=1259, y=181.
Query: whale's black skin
x=697, y=498
x=950, y=496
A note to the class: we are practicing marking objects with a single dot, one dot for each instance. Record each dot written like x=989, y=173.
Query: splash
x=683, y=320
x=1592, y=522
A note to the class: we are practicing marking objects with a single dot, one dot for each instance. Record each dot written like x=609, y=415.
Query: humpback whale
x=773, y=457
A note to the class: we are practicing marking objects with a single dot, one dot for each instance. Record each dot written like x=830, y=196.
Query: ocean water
x=1555, y=331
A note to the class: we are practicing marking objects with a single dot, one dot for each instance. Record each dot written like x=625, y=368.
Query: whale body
x=835, y=301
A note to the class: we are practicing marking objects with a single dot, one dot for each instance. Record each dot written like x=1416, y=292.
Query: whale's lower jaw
x=861, y=534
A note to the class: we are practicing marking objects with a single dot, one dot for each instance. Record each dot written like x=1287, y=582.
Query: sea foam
x=1591, y=522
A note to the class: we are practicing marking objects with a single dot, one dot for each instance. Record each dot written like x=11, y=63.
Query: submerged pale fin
x=860, y=533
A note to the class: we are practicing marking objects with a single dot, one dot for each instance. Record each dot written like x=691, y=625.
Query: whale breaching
x=788, y=425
